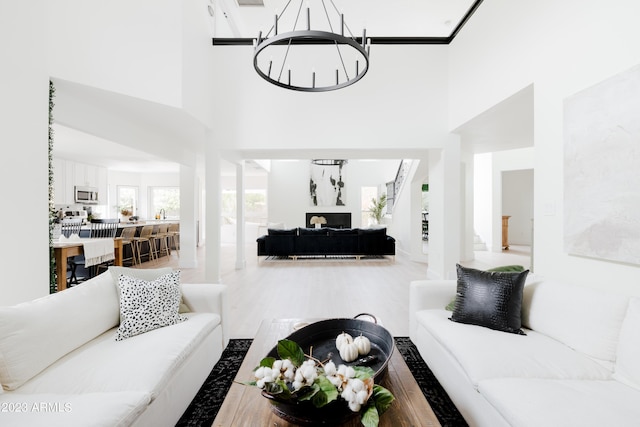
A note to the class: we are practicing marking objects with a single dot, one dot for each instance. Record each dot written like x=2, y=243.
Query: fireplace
x=334, y=219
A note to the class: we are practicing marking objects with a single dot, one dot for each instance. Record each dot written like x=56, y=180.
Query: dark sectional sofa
x=326, y=241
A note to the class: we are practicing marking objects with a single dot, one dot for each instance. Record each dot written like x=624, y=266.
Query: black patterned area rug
x=272, y=258
x=205, y=406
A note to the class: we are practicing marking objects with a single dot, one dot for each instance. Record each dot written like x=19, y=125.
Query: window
x=164, y=202
x=255, y=206
x=127, y=200
x=367, y=194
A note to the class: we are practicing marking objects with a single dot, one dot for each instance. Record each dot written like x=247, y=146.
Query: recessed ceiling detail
x=250, y=3
x=424, y=22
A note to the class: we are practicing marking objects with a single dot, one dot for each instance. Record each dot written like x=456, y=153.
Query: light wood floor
x=322, y=288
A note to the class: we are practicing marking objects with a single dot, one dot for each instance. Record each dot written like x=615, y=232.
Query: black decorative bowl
x=305, y=414
x=320, y=337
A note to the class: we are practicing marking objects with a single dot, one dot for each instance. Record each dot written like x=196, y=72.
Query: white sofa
x=60, y=364
x=578, y=365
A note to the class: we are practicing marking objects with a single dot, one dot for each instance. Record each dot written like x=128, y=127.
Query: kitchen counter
x=85, y=231
x=147, y=222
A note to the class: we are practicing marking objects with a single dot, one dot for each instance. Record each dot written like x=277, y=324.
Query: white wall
x=399, y=104
x=288, y=193
x=133, y=48
x=517, y=202
x=562, y=48
x=483, y=197
x=24, y=85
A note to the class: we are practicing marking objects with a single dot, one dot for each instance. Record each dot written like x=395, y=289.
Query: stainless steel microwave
x=88, y=195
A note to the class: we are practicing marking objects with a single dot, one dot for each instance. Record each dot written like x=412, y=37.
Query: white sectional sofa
x=60, y=364
x=577, y=365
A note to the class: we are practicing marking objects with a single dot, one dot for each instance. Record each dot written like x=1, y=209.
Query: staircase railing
x=394, y=187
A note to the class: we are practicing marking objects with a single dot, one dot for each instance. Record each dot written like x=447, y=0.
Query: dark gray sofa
x=326, y=241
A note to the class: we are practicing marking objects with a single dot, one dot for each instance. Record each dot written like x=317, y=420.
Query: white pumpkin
x=342, y=339
x=349, y=351
x=363, y=344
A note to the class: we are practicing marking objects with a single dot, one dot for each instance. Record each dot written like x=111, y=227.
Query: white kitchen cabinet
x=67, y=174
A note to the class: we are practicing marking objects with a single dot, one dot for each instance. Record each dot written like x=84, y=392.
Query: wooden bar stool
x=146, y=235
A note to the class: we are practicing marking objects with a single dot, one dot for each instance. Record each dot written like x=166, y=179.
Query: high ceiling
x=381, y=18
x=418, y=19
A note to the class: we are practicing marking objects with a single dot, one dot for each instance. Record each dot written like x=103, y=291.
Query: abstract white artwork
x=602, y=170
x=326, y=185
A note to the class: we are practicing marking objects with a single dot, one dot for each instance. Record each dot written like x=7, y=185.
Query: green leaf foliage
x=382, y=398
x=306, y=393
x=327, y=393
x=370, y=416
x=288, y=349
x=363, y=372
x=267, y=362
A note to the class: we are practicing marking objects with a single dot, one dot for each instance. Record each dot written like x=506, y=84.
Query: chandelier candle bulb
x=306, y=41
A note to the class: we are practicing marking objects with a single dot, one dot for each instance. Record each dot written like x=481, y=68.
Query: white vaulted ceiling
x=382, y=18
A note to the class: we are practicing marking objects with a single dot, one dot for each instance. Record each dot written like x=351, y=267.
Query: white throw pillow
x=628, y=361
x=148, y=274
x=148, y=305
x=586, y=319
x=35, y=334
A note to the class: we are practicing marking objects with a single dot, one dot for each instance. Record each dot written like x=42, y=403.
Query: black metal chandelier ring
x=309, y=37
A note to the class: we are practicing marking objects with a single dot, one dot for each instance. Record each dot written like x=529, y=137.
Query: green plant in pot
x=377, y=207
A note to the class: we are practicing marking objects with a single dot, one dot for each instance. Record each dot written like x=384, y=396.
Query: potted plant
x=377, y=207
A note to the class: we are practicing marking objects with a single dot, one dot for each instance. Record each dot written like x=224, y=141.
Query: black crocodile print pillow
x=489, y=299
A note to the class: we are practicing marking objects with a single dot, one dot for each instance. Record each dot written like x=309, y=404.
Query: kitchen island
x=144, y=247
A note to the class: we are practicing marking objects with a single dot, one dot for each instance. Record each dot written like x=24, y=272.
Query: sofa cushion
x=489, y=299
x=539, y=402
x=588, y=320
x=144, y=274
x=281, y=232
x=59, y=323
x=484, y=353
x=342, y=231
x=116, y=409
x=503, y=268
x=627, y=368
x=145, y=362
x=372, y=231
x=313, y=231
x=148, y=305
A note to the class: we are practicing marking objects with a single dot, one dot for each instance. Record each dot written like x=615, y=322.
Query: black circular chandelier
x=290, y=59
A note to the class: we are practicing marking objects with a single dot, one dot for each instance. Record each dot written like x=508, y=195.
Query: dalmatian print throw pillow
x=148, y=305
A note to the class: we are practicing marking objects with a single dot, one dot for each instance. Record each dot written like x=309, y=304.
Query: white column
x=241, y=262
x=444, y=210
x=213, y=211
x=467, y=209
x=188, y=217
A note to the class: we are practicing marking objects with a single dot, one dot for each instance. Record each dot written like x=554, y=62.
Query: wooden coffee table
x=245, y=406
